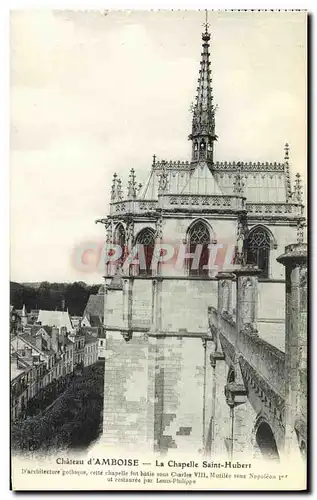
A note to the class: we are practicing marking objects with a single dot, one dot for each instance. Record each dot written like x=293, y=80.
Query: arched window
x=120, y=240
x=258, y=249
x=198, y=234
x=146, y=238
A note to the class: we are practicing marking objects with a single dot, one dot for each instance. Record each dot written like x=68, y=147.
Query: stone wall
x=179, y=394
x=185, y=303
x=126, y=392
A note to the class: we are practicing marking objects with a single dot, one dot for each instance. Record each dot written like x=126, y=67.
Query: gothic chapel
x=156, y=316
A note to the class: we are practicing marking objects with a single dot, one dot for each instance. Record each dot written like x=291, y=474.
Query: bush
x=74, y=421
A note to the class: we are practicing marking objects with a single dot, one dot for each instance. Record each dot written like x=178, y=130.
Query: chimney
x=28, y=355
x=63, y=334
x=38, y=341
x=54, y=337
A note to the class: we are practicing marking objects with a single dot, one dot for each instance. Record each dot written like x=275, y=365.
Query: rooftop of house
x=34, y=329
x=90, y=339
x=18, y=366
x=31, y=341
x=55, y=318
x=95, y=331
x=95, y=307
x=66, y=341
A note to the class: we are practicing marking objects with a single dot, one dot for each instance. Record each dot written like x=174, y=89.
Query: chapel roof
x=55, y=318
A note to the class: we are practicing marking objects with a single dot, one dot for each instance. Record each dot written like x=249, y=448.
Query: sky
x=97, y=92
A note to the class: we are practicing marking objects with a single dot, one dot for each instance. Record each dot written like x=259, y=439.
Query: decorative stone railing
x=249, y=167
x=264, y=357
x=133, y=206
x=207, y=202
x=275, y=209
x=267, y=359
x=212, y=319
x=224, y=323
x=172, y=165
x=228, y=327
x=223, y=166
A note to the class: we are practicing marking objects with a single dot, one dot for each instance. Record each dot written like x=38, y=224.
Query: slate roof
x=36, y=328
x=202, y=182
x=89, y=339
x=95, y=306
x=28, y=339
x=55, y=318
x=91, y=330
x=263, y=182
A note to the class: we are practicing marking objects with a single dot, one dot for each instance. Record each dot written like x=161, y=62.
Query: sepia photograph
x=158, y=250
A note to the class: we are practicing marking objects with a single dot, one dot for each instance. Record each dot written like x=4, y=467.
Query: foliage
x=51, y=296
x=47, y=395
x=73, y=421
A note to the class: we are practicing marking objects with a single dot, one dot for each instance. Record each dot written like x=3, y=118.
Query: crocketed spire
x=203, y=125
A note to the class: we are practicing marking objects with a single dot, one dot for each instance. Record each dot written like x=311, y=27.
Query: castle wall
x=127, y=383
x=142, y=302
x=179, y=392
x=185, y=302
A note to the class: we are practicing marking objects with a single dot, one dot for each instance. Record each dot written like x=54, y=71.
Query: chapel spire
x=203, y=125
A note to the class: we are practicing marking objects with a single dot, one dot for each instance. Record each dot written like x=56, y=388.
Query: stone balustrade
x=133, y=206
x=172, y=165
x=207, y=202
x=248, y=166
x=222, y=166
x=267, y=359
x=275, y=209
x=212, y=319
x=264, y=357
x=228, y=327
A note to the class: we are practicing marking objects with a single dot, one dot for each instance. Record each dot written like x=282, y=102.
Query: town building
x=98, y=332
x=15, y=321
x=27, y=377
x=155, y=311
x=55, y=318
x=76, y=321
x=39, y=356
x=78, y=338
x=91, y=350
x=94, y=310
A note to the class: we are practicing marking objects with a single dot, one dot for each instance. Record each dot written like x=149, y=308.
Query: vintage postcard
x=158, y=294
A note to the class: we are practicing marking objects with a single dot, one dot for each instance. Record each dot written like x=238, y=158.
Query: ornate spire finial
x=238, y=185
x=132, y=184
x=298, y=192
x=113, y=187
x=206, y=34
x=119, y=190
x=203, y=124
x=287, y=173
x=154, y=160
x=163, y=179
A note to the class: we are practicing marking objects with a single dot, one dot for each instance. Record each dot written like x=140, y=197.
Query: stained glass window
x=198, y=234
x=258, y=249
x=147, y=239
